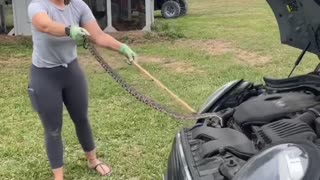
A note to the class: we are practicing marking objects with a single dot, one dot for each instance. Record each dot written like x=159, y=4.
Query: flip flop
x=100, y=164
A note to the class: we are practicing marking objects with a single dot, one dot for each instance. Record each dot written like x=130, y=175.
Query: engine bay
x=268, y=131
x=220, y=147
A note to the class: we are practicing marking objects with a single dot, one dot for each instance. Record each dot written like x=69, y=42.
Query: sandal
x=100, y=165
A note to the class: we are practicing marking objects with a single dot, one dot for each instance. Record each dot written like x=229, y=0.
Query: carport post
x=129, y=10
x=149, y=13
x=109, y=28
x=152, y=12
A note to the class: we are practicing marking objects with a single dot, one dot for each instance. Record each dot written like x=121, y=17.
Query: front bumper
x=178, y=168
x=164, y=177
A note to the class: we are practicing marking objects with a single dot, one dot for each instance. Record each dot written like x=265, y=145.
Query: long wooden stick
x=165, y=88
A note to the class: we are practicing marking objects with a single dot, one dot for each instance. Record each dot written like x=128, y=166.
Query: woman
x=56, y=78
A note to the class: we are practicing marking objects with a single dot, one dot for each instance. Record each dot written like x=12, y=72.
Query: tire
x=170, y=9
x=184, y=7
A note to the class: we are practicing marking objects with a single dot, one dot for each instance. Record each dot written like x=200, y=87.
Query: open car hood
x=299, y=23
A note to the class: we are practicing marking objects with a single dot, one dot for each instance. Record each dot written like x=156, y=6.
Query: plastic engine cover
x=268, y=108
x=287, y=130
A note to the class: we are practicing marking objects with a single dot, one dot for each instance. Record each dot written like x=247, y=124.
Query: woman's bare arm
x=45, y=24
x=101, y=38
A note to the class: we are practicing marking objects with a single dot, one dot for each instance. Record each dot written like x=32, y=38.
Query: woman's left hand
x=129, y=53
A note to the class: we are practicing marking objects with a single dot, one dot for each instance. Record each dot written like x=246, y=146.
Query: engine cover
x=286, y=130
x=268, y=108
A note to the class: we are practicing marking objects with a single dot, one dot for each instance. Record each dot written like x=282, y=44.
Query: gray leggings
x=48, y=89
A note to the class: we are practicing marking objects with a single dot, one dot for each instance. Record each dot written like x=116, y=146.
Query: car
x=268, y=131
x=171, y=8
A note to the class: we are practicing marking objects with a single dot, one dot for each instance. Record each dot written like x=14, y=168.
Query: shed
x=123, y=15
x=101, y=8
x=22, y=25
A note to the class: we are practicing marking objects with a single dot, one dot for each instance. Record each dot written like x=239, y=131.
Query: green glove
x=129, y=53
x=77, y=33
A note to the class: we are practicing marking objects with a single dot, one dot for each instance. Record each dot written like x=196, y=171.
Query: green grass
x=135, y=139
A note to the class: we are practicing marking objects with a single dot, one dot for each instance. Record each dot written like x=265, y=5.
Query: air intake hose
x=309, y=116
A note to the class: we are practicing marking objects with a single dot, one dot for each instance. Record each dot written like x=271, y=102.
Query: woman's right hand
x=78, y=34
x=129, y=53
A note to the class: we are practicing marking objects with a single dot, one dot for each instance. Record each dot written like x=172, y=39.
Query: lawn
x=220, y=41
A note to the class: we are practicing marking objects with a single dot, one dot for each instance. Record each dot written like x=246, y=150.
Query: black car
x=262, y=132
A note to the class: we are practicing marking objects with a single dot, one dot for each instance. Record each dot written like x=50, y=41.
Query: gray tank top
x=50, y=51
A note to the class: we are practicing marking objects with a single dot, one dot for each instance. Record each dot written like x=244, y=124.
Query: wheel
x=184, y=7
x=170, y=9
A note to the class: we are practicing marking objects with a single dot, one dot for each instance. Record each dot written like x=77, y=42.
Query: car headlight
x=282, y=162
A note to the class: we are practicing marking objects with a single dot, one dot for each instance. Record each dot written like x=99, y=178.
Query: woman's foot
x=58, y=173
x=102, y=168
x=94, y=163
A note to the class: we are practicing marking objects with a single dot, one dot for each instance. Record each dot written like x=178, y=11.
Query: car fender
x=220, y=94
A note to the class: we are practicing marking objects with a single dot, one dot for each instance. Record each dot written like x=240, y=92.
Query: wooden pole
x=184, y=104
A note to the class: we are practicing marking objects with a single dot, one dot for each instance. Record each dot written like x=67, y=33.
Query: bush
x=164, y=29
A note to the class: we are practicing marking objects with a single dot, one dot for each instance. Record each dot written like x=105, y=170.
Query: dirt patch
x=131, y=35
x=216, y=47
x=150, y=59
x=170, y=64
x=14, y=62
x=14, y=59
x=182, y=68
x=117, y=62
x=6, y=40
x=252, y=59
x=137, y=37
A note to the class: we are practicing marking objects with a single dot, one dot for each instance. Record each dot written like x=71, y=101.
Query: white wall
x=22, y=25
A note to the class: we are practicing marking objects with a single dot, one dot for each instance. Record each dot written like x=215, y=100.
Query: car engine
x=253, y=118
x=261, y=132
